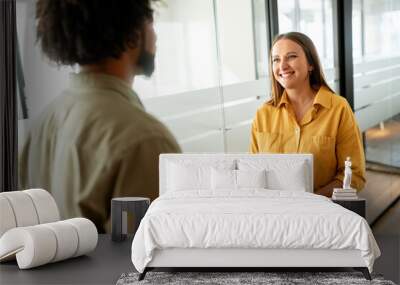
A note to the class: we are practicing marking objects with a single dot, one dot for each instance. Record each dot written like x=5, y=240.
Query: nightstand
x=119, y=208
x=357, y=206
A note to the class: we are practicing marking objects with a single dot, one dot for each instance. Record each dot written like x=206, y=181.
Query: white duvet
x=250, y=219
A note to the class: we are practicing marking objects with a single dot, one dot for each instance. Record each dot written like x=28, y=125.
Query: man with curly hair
x=96, y=141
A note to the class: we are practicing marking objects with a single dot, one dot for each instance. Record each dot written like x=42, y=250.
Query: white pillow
x=188, y=177
x=223, y=179
x=251, y=178
x=281, y=174
x=189, y=174
x=293, y=179
x=237, y=179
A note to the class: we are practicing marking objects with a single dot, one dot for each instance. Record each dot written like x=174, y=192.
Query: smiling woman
x=305, y=116
x=291, y=69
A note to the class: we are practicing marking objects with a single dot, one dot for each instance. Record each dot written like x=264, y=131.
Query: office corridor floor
x=389, y=223
x=387, y=233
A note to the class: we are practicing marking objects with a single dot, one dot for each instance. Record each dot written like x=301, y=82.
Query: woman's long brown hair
x=316, y=77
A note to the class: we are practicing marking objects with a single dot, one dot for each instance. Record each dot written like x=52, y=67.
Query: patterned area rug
x=229, y=278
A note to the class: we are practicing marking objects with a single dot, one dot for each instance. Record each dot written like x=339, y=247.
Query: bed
x=245, y=211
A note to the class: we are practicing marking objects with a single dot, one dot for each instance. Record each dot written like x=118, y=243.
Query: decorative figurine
x=347, y=174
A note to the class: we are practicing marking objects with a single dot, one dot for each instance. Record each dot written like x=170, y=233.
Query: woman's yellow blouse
x=328, y=130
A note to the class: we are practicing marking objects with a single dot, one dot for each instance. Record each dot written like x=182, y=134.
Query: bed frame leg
x=143, y=274
x=364, y=271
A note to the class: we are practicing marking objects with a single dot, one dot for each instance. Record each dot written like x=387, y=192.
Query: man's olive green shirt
x=92, y=143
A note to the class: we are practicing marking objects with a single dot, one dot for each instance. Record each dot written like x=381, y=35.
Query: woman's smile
x=286, y=74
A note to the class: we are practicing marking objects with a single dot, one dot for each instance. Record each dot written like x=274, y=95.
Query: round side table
x=119, y=209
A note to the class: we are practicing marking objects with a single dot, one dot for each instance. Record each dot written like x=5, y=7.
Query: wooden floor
x=387, y=234
x=389, y=223
x=380, y=191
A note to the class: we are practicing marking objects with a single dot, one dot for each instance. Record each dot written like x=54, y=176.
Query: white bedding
x=250, y=218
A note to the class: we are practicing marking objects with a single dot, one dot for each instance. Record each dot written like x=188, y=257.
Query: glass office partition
x=376, y=78
x=358, y=32
x=243, y=54
x=376, y=92
x=260, y=38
